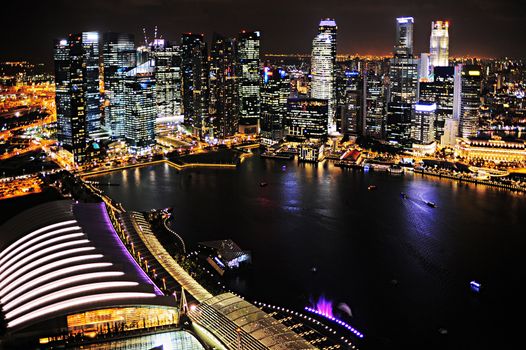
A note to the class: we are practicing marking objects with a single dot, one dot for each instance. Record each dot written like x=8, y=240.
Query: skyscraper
x=439, y=43
x=249, y=81
x=403, y=76
x=167, y=58
x=323, y=61
x=422, y=124
x=275, y=90
x=118, y=57
x=78, y=92
x=194, y=57
x=224, y=112
x=404, y=37
x=306, y=118
x=470, y=91
x=350, y=106
x=140, y=110
x=373, y=105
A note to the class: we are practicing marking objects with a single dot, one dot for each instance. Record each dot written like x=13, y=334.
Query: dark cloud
x=478, y=27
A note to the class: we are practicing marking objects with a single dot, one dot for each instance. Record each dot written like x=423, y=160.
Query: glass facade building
x=439, y=44
x=470, y=92
x=275, y=90
x=306, y=118
x=249, y=81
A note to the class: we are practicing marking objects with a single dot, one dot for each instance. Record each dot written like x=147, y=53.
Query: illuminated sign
x=63, y=42
x=474, y=73
x=405, y=20
x=425, y=107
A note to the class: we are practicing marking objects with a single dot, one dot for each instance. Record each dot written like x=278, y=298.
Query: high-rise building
x=78, y=92
x=423, y=121
x=403, y=77
x=275, y=90
x=349, y=112
x=306, y=118
x=167, y=58
x=140, y=102
x=223, y=108
x=470, y=91
x=398, y=123
x=194, y=58
x=404, y=37
x=373, y=108
x=425, y=70
x=439, y=43
x=249, y=81
x=323, y=64
x=118, y=57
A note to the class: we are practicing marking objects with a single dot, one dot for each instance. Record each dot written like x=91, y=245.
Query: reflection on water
x=358, y=240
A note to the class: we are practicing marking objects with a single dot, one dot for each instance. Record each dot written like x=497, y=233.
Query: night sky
x=489, y=28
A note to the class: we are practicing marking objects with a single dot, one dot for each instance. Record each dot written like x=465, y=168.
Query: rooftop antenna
x=155, y=33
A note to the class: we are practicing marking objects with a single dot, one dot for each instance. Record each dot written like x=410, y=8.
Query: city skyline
x=286, y=28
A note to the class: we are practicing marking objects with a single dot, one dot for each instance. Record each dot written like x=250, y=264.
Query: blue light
x=282, y=73
x=475, y=286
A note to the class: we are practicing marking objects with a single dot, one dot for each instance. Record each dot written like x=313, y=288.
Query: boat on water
x=475, y=286
x=431, y=204
x=403, y=195
x=371, y=187
x=395, y=169
x=263, y=184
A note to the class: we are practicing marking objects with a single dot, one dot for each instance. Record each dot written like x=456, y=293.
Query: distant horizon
x=479, y=28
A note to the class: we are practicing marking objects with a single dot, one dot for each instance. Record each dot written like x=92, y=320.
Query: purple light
x=340, y=322
x=324, y=307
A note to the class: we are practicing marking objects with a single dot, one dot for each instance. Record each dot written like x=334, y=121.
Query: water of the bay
x=402, y=266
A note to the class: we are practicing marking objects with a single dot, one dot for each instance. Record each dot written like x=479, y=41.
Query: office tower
x=224, y=113
x=167, y=58
x=373, y=105
x=403, y=76
x=78, y=94
x=88, y=51
x=306, y=118
x=450, y=133
x=398, y=123
x=425, y=70
x=62, y=91
x=140, y=110
x=194, y=61
x=404, y=37
x=275, y=90
x=323, y=65
x=322, y=72
x=439, y=44
x=349, y=111
x=470, y=91
x=118, y=57
x=422, y=124
x=249, y=82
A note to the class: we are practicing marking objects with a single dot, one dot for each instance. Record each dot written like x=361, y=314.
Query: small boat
x=475, y=286
x=314, y=269
x=371, y=187
x=263, y=184
x=403, y=195
x=431, y=204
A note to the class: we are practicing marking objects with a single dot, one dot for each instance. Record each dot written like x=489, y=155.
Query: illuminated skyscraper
x=350, y=105
x=78, y=92
x=322, y=71
x=249, y=81
x=167, y=58
x=224, y=112
x=194, y=56
x=140, y=110
x=275, y=90
x=118, y=57
x=306, y=118
x=471, y=79
x=422, y=124
x=373, y=105
x=439, y=43
x=404, y=37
